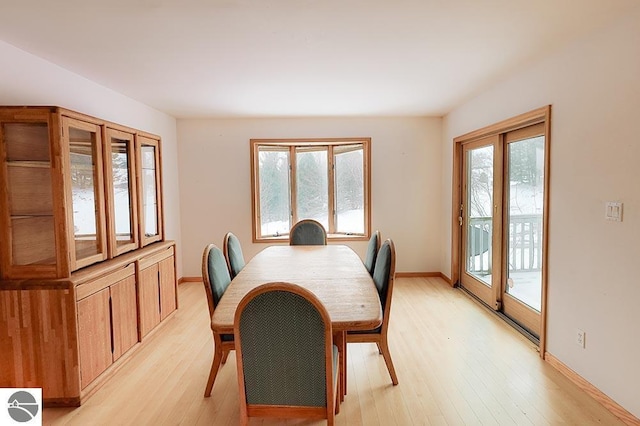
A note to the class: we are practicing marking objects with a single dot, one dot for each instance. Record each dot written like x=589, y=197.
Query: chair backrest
x=233, y=253
x=308, y=232
x=384, y=274
x=284, y=349
x=372, y=252
x=215, y=275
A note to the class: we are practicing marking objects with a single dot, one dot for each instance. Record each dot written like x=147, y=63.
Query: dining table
x=335, y=274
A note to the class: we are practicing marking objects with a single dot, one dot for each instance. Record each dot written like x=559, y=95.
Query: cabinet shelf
x=29, y=164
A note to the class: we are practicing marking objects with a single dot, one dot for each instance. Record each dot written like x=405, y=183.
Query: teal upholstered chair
x=287, y=362
x=233, y=254
x=372, y=252
x=384, y=274
x=308, y=232
x=216, y=279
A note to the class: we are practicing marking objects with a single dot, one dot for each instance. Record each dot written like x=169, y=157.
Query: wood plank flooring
x=456, y=362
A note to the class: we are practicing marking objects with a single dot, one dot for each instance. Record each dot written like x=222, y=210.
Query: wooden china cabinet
x=85, y=272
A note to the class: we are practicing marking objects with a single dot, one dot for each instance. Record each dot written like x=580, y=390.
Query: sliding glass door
x=523, y=239
x=501, y=218
x=479, y=216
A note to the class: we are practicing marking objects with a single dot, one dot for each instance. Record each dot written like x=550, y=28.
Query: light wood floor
x=456, y=363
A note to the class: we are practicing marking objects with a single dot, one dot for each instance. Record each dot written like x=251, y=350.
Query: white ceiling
x=288, y=58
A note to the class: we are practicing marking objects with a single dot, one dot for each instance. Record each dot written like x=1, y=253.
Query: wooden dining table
x=333, y=273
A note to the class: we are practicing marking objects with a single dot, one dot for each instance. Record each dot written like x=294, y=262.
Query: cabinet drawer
x=147, y=261
x=105, y=281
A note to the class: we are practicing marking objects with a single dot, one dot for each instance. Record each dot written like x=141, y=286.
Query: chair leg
x=331, y=414
x=215, y=366
x=244, y=418
x=343, y=366
x=225, y=354
x=387, y=359
x=340, y=340
x=338, y=391
x=379, y=348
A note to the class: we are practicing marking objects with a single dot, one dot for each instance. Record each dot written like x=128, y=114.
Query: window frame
x=292, y=145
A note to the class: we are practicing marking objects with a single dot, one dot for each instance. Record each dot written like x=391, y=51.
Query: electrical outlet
x=580, y=338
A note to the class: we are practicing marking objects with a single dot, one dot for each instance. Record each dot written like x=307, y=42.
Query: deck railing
x=524, y=244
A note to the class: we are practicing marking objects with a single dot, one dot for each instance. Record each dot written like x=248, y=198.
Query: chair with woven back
x=308, y=232
x=216, y=279
x=372, y=252
x=384, y=273
x=287, y=363
x=233, y=254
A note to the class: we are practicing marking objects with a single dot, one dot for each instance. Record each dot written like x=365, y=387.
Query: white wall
x=26, y=79
x=215, y=181
x=594, y=87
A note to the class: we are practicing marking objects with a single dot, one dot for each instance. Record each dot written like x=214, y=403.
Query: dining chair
x=308, y=232
x=287, y=362
x=216, y=279
x=384, y=273
x=233, y=254
x=372, y=252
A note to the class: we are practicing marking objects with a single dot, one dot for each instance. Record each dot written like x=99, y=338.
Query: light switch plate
x=613, y=211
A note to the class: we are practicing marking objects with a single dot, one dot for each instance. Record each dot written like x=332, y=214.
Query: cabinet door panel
x=149, y=189
x=122, y=222
x=85, y=192
x=124, y=316
x=167, y=287
x=149, y=299
x=94, y=336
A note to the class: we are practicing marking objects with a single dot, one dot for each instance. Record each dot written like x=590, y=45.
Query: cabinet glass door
x=121, y=198
x=150, y=192
x=28, y=225
x=86, y=183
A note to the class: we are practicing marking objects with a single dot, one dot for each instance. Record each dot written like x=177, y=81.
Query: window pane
x=149, y=191
x=30, y=195
x=84, y=188
x=349, y=187
x=312, y=188
x=524, y=217
x=121, y=190
x=275, y=201
x=479, y=205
